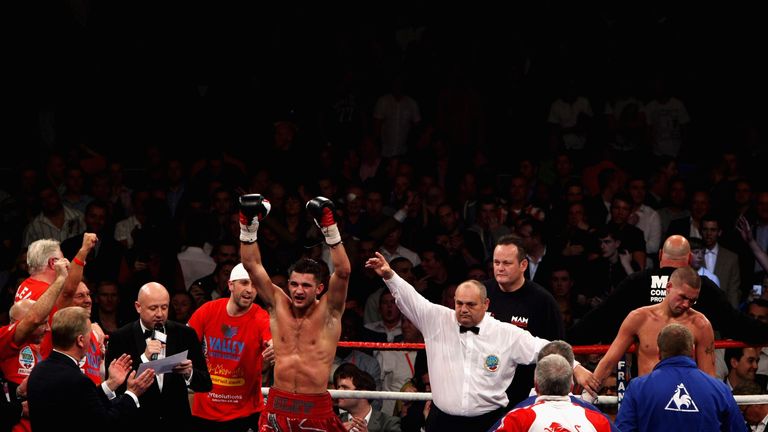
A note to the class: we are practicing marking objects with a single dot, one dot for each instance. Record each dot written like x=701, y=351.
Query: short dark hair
x=696, y=243
x=711, y=217
x=360, y=378
x=439, y=252
x=607, y=231
x=397, y=260
x=732, y=354
x=97, y=203
x=622, y=196
x=688, y=276
x=308, y=266
x=675, y=340
x=512, y=239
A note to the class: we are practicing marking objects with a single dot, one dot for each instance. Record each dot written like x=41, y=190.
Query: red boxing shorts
x=286, y=411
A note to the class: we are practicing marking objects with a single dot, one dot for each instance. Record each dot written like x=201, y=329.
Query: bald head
x=151, y=289
x=676, y=252
x=152, y=304
x=19, y=312
x=20, y=309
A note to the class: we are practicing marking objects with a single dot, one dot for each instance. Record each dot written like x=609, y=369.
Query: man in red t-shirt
x=234, y=333
x=94, y=355
x=41, y=258
x=19, y=341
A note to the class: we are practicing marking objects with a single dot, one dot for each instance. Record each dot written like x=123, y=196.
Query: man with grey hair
x=565, y=350
x=677, y=395
x=756, y=415
x=472, y=356
x=42, y=256
x=554, y=377
x=553, y=409
x=58, y=389
x=29, y=323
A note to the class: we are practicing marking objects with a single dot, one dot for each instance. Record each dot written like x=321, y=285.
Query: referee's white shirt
x=469, y=373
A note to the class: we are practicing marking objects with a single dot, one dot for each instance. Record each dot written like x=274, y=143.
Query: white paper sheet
x=163, y=365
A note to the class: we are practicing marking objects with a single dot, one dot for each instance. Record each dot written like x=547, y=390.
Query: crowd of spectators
x=429, y=150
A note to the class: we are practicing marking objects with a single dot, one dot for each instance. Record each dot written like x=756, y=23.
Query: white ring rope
x=740, y=399
x=413, y=396
x=363, y=394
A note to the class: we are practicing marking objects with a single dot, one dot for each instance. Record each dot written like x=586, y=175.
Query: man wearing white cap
x=234, y=333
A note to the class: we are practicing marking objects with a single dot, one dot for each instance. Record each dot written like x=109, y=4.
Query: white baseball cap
x=238, y=273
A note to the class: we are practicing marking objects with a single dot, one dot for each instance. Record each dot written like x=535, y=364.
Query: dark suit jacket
x=680, y=226
x=380, y=422
x=544, y=271
x=170, y=408
x=10, y=410
x=62, y=398
x=383, y=423
x=727, y=270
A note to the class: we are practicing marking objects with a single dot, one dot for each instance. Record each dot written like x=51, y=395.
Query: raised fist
x=253, y=208
x=321, y=209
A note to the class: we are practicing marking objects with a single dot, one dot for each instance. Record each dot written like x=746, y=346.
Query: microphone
x=158, y=329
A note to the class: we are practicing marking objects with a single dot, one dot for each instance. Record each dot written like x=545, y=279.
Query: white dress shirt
x=396, y=370
x=469, y=372
x=710, y=257
x=762, y=364
x=380, y=327
x=533, y=263
x=161, y=355
x=649, y=222
x=761, y=427
x=346, y=416
x=702, y=271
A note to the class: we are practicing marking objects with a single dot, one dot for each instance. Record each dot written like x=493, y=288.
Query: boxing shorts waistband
x=299, y=405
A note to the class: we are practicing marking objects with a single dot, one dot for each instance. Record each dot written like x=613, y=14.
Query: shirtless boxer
x=305, y=329
x=642, y=326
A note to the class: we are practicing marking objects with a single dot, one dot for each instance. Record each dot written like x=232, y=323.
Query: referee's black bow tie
x=475, y=329
x=147, y=334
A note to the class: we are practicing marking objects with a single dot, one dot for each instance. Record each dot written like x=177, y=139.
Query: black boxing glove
x=253, y=208
x=321, y=209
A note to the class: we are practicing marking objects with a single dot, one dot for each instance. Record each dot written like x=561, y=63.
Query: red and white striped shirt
x=553, y=414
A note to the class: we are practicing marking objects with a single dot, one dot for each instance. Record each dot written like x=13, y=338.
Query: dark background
x=119, y=75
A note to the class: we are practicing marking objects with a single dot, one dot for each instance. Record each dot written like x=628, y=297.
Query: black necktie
x=475, y=329
x=147, y=334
